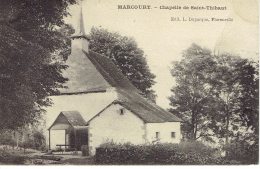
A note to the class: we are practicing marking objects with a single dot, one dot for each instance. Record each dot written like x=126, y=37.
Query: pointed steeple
x=80, y=30
x=79, y=40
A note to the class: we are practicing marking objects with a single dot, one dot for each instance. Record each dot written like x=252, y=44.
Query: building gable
x=68, y=119
x=114, y=103
x=144, y=109
x=60, y=122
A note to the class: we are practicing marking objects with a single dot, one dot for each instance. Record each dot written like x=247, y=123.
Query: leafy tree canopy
x=215, y=95
x=29, y=69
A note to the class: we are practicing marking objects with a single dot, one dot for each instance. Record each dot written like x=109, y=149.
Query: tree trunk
x=17, y=141
x=193, y=125
x=227, y=129
x=196, y=129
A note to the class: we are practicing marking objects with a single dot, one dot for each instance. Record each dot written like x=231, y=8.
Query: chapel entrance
x=77, y=138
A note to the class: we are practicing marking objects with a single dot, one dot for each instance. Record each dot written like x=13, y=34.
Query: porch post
x=49, y=139
x=65, y=139
x=75, y=138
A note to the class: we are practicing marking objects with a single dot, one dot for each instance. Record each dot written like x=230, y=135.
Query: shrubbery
x=186, y=153
x=9, y=158
x=39, y=141
x=34, y=140
x=6, y=139
x=243, y=152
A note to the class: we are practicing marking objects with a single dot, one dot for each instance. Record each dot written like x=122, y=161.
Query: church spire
x=80, y=29
x=79, y=40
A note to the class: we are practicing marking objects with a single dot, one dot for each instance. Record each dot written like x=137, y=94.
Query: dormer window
x=122, y=111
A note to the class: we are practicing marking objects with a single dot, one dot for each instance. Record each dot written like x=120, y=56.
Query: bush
x=6, y=138
x=27, y=144
x=8, y=158
x=243, y=152
x=186, y=153
x=84, y=150
x=39, y=141
x=35, y=140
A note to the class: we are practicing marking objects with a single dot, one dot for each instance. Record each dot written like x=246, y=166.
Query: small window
x=157, y=135
x=122, y=111
x=173, y=134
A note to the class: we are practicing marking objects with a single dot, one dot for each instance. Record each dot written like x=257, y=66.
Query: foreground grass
x=9, y=156
x=17, y=156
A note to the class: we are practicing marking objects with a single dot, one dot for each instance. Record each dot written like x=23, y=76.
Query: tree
x=228, y=86
x=237, y=85
x=244, y=144
x=193, y=96
x=128, y=57
x=249, y=99
x=30, y=70
x=216, y=95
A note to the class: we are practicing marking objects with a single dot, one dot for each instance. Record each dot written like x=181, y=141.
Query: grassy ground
x=12, y=156
x=17, y=156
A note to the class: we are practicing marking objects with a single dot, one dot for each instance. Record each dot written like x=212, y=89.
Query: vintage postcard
x=129, y=82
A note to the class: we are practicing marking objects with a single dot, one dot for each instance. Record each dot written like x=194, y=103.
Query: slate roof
x=110, y=72
x=83, y=75
x=92, y=72
x=148, y=111
x=74, y=118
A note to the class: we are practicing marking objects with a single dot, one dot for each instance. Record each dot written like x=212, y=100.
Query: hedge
x=187, y=153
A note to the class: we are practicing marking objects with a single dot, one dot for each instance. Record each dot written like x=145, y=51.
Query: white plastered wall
x=57, y=137
x=164, y=130
x=111, y=126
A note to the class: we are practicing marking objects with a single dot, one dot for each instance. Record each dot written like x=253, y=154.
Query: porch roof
x=68, y=119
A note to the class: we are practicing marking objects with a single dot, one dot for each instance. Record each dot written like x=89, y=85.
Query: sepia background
x=164, y=40
x=208, y=89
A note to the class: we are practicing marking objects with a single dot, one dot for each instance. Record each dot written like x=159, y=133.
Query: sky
x=163, y=40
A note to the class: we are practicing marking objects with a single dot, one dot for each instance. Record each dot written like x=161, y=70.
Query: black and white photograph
x=129, y=82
